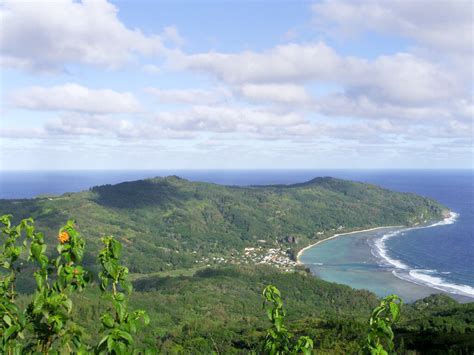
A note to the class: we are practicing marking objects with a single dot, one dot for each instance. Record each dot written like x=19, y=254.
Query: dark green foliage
x=219, y=310
x=169, y=223
x=438, y=323
x=222, y=308
x=225, y=304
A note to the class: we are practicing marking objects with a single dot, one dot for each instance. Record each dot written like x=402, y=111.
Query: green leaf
x=7, y=319
x=68, y=305
x=43, y=261
x=103, y=341
x=38, y=303
x=107, y=320
x=111, y=267
x=10, y=331
x=110, y=343
x=36, y=250
x=78, y=252
x=278, y=323
x=116, y=248
x=270, y=313
x=121, y=310
x=126, y=336
x=127, y=286
x=104, y=284
x=132, y=324
x=120, y=297
x=120, y=348
x=146, y=318
x=394, y=310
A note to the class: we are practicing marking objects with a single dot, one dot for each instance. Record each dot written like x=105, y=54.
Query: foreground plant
x=278, y=339
x=46, y=325
x=12, y=320
x=118, y=324
x=49, y=313
x=380, y=337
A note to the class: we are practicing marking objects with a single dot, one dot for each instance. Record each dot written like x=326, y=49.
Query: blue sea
x=411, y=262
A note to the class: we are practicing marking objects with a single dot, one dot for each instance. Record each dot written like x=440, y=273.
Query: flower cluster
x=63, y=237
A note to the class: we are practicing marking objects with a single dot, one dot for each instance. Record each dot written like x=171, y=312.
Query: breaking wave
x=431, y=278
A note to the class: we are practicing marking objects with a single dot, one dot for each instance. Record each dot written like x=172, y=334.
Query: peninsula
x=172, y=223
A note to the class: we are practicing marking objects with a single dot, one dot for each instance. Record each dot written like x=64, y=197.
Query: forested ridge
x=172, y=223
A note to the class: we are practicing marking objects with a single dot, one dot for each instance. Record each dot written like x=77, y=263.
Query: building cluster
x=277, y=257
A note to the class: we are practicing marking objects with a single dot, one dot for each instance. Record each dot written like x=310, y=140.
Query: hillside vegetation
x=165, y=226
x=169, y=223
x=224, y=306
x=221, y=308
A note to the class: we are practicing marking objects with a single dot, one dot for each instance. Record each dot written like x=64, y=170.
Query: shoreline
x=300, y=253
x=426, y=281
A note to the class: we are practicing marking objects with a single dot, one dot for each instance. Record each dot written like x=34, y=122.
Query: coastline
x=413, y=282
x=300, y=253
x=448, y=216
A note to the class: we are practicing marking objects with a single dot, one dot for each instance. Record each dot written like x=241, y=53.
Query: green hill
x=169, y=223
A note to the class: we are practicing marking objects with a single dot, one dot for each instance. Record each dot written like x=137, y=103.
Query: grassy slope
x=168, y=223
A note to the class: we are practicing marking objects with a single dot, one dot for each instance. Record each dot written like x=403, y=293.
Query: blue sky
x=269, y=84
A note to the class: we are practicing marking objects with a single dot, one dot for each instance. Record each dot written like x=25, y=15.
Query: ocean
x=410, y=262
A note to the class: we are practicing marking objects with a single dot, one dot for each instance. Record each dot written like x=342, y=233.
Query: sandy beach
x=338, y=235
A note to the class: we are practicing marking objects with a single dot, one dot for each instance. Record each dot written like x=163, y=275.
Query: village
x=277, y=257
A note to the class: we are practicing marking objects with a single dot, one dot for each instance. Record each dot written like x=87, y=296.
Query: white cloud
x=239, y=124
x=405, y=79
x=22, y=133
x=259, y=123
x=363, y=107
x=401, y=79
x=151, y=69
x=171, y=34
x=190, y=96
x=87, y=125
x=277, y=93
x=270, y=93
x=74, y=124
x=73, y=97
x=233, y=122
x=228, y=119
x=284, y=63
x=47, y=36
x=442, y=25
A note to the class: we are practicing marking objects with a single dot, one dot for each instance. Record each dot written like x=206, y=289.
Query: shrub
x=46, y=324
x=278, y=339
x=380, y=337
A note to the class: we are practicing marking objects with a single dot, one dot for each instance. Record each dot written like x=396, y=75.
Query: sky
x=145, y=84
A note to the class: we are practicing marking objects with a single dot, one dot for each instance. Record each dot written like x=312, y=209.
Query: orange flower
x=63, y=237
